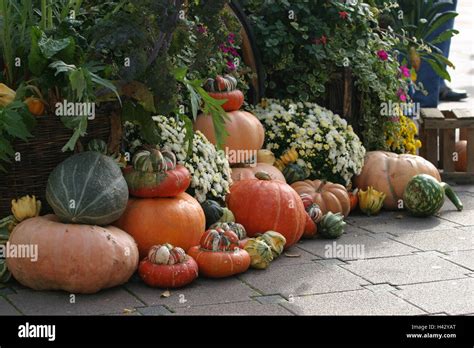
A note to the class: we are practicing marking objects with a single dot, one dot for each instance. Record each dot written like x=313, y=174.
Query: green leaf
x=180, y=73
x=188, y=125
x=50, y=47
x=137, y=114
x=13, y=124
x=448, y=34
x=79, y=130
x=78, y=83
x=438, y=69
x=36, y=61
x=439, y=20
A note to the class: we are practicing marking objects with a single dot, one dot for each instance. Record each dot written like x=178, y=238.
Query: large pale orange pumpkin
x=249, y=172
x=268, y=205
x=390, y=173
x=461, y=164
x=246, y=134
x=329, y=196
x=72, y=257
x=178, y=221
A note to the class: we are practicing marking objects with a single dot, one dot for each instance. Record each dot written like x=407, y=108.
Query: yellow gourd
x=26, y=207
x=260, y=253
x=371, y=201
x=7, y=95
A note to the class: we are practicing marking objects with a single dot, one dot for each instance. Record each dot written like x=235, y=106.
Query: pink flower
x=201, y=29
x=343, y=15
x=233, y=51
x=230, y=65
x=382, y=54
x=402, y=95
x=405, y=71
x=321, y=41
x=231, y=38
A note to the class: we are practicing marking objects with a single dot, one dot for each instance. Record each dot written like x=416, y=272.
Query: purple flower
x=233, y=51
x=405, y=71
x=201, y=29
x=382, y=54
x=231, y=38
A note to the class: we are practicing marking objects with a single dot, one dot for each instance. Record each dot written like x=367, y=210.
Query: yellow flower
x=26, y=207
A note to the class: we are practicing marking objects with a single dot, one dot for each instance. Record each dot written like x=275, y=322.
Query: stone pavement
x=391, y=264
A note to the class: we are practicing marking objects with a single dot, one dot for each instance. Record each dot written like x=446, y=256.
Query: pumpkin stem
x=263, y=176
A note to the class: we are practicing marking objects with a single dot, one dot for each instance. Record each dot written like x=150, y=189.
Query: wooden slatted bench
x=438, y=135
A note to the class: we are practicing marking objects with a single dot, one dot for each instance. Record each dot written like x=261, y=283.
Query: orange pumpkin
x=246, y=134
x=461, y=164
x=249, y=172
x=310, y=229
x=220, y=264
x=168, y=276
x=178, y=220
x=35, y=106
x=390, y=173
x=329, y=196
x=234, y=99
x=267, y=205
x=354, y=198
x=72, y=257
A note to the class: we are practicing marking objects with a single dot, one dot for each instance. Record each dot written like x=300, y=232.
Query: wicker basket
x=42, y=153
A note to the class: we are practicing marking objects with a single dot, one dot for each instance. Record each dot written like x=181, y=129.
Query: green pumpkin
x=424, y=195
x=87, y=188
x=235, y=227
x=331, y=225
x=260, y=253
x=97, y=145
x=293, y=172
x=276, y=241
x=213, y=212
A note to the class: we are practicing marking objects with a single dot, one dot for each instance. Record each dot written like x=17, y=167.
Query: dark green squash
x=332, y=226
x=293, y=172
x=87, y=188
x=213, y=212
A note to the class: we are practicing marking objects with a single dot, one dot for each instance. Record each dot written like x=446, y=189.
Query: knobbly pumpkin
x=371, y=201
x=177, y=220
x=237, y=228
x=260, y=253
x=155, y=174
x=293, y=172
x=219, y=239
x=87, y=188
x=265, y=204
x=246, y=134
x=328, y=196
x=332, y=225
x=72, y=257
x=220, y=264
x=242, y=173
x=390, y=173
x=276, y=241
x=167, y=267
x=424, y=195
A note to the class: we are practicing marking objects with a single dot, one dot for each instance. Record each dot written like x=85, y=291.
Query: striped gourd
x=87, y=188
x=424, y=195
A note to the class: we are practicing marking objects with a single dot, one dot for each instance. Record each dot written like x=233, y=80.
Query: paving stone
x=32, y=302
x=318, y=277
x=407, y=223
x=270, y=299
x=6, y=291
x=305, y=257
x=465, y=217
x=440, y=240
x=359, y=302
x=200, y=292
x=417, y=268
x=241, y=308
x=453, y=297
x=380, y=287
x=355, y=246
x=6, y=308
x=154, y=310
x=467, y=199
x=464, y=258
